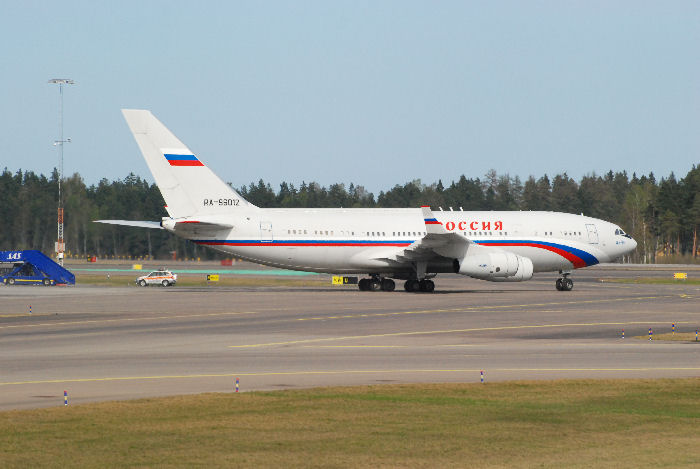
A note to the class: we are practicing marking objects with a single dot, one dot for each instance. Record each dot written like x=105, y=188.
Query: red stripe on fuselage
x=574, y=259
x=283, y=244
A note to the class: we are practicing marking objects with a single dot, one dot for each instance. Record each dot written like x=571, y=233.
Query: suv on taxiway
x=158, y=277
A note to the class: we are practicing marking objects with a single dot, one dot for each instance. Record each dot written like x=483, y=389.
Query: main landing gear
x=565, y=283
x=376, y=284
x=415, y=285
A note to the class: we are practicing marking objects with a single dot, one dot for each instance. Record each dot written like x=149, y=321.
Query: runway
x=107, y=343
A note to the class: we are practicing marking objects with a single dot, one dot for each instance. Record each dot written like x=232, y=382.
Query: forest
x=663, y=215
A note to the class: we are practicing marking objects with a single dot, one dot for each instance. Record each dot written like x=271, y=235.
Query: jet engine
x=495, y=267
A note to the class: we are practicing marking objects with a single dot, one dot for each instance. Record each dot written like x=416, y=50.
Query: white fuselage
x=364, y=240
x=409, y=243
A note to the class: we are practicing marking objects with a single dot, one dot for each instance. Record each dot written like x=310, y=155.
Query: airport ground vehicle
x=31, y=267
x=158, y=277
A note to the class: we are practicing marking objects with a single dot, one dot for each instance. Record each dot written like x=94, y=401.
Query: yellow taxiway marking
x=392, y=346
x=338, y=372
x=452, y=331
x=484, y=308
x=104, y=321
x=23, y=315
x=356, y=346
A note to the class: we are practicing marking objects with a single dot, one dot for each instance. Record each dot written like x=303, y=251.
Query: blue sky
x=377, y=93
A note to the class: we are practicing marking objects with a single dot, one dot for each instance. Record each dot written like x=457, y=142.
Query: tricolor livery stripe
x=432, y=221
x=298, y=243
x=577, y=257
x=182, y=160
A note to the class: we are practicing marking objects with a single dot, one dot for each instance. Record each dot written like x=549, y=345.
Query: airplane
x=385, y=244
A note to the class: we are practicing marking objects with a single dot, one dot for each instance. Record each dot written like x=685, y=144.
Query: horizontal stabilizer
x=196, y=229
x=140, y=224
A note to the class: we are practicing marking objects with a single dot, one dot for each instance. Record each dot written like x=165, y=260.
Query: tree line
x=662, y=215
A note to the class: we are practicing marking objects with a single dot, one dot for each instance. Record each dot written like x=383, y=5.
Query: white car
x=158, y=277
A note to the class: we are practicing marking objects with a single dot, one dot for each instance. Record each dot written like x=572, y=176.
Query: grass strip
x=671, y=337
x=200, y=281
x=570, y=423
x=652, y=281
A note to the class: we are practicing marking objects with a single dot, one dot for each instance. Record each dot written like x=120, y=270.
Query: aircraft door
x=266, y=231
x=592, y=234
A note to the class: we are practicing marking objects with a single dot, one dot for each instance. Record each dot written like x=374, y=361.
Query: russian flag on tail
x=182, y=160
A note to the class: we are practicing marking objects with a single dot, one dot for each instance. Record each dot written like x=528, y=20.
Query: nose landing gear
x=565, y=283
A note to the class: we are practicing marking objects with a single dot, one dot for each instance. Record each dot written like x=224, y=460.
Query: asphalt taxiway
x=106, y=343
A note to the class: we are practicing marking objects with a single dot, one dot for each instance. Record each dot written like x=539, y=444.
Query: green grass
x=201, y=281
x=653, y=281
x=625, y=423
x=670, y=336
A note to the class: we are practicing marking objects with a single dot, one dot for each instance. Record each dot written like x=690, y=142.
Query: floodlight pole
x=60, y=244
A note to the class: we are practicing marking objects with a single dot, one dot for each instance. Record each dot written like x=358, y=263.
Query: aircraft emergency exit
x=410, y=244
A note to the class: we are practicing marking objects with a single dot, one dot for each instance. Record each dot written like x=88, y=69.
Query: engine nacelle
x=495, y=267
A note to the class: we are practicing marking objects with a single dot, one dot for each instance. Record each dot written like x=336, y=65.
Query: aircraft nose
x=633, y=244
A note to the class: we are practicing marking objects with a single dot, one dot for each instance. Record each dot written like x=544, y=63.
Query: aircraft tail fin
x=188, y=186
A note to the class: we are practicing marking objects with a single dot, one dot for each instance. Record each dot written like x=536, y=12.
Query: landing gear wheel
x=375, y=285
x=363, y=284
x=426, y=285
x=388, y=284
x=142, y=283
x=411, y=285
x=564, y=284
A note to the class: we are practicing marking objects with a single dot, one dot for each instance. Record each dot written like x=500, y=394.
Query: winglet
x=432, y=226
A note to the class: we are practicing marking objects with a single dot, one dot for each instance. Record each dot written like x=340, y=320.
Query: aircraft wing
x=437, y=243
